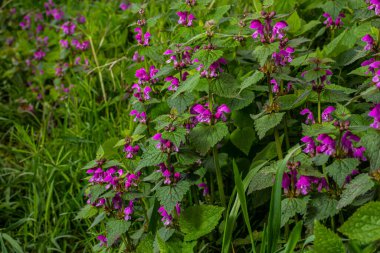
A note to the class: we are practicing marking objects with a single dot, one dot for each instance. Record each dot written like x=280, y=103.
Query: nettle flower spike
x=374, y=5
x=128, y=211
x=370, y=42
x=185, y=18
x=142, y=39
x=266, y=32
x=131, y=151
x=310, y=145
x=140, y=117
x=347, y=146
x=275, y=86
x=283, y=57
x=309, y=118
x=214, y=70
x=326, y=114
x=375, y=114
x=205, y=188
x=327, y=145
x=68, y=28
x=164, y=145
x=330, y=23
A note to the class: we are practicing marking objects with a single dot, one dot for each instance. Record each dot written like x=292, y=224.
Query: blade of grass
x=294, y=237
x=232, y=213
x=243, y=202
x=274, y=220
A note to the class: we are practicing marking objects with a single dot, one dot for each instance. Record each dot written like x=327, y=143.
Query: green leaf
x=245, y=99
x=340, y=44
x=225, y=86
x=308, y=27
x=294, y=22
x=261, y=53
x=268, y=3
x=15, y=245
x=294, y=237
x=323, y=207
x=181, y=102
x=267, y=122
x=99, y=153
x=146, y=245
x=151, y=157
x=204, y=137
x=188, y=85
x=358, y=186
x=96, y=191
x=317, y=129
x=364, y=224
x=165, y=71
x=261, y=180
x=220, y=11
x=371, y=142
x=252, y=80
x=207, y=57
x=291, y=206
x=341, y=168
x=86, y=212
x=115, y=228
x=169, y=196
x=243, y=138
x=177, y=136
x=326, y=241
x=90, y=165
x=197, y=221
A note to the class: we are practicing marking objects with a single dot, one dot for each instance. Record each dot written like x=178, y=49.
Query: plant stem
x=319, y=108
x=219, y=176
x=278, y=143
x=287, y=142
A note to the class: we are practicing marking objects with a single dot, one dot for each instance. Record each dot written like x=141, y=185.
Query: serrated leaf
x=165, y=71
x=204, y=137
x=188, y=85
x=111, y=163
x=341, y=168
x=86, y=212
x=181, y=102
x=197, y=221
x=99, y=153
x=151, y=157
x=323, y=207
x=267, y=122
x=371, y=142
x=252, y=80
x=294, y=22
x=261, y=53
x=115, y=228
x=90, y=165
x=146, y=245
x=169, y=196
x=225, y=86
x=308, y=27
x=364, y=224
x=243, y=138
x=317, y=129
x=260, y=181
x=97, y=219
x=220, y=11
x=207, y=57
x=358, y=186
x=96, y=191
x=326, y=241
x=245, y=98
x=291, y=206
x=177, y=136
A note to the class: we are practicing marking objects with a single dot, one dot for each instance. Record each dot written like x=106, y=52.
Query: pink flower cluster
x=202, y=114
x=331, y=23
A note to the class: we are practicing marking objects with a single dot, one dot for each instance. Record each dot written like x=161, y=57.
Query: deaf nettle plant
x=222, y=86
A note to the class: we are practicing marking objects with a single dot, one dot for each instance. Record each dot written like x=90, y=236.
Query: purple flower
x=370, y=42
x=205, y=188
x=142, y=39
x=185, y=18
x=276, y=87
x=68, y=28
x=117, y=201
x=102, y=239
x=163, y=144
x=174, y=82
x=128, y=211
x=25, y=25
x=329, y=22
x=374, y=5
x=203, y=114
x=286, y=182
x=82, y=46
x=131, y=151
x=327, y=145
x=221, y=110
x=124, y=6
x=64, y=43
x=57, y=14
x=166, y=218
x=141, y=117
x=303, y=184
x=258, y=27
x=39, y=55
x=137, y=58
x=309, y=118
x=81, y=19
x=375, y=114
x=310, y=145
x=214, y=70
x=326, y=114
x=131, y=179
x=178, y=209
x=278, y=30
x=283, y=57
